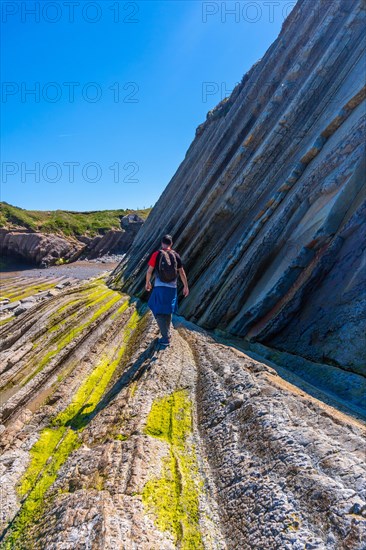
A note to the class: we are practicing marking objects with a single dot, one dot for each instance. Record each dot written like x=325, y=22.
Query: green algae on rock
x=30, y=290
x=42, y=474
x=112, y=455
x=173, y=498
x=62, y=436
x=73, y=332
x=88, y=395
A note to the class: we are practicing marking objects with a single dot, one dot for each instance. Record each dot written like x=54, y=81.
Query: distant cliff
x=46, y=238
x=268, y=206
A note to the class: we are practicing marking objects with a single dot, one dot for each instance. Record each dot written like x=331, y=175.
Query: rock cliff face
x=115, y=242
x=37, y=248
x=268, y=206
x=45, y=250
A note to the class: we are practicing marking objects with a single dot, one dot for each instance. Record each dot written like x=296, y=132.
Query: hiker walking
x=163, y=301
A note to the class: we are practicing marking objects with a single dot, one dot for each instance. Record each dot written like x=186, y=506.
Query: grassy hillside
x=63, y=221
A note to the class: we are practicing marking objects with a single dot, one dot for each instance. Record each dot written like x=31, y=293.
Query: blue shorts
x=163, y=299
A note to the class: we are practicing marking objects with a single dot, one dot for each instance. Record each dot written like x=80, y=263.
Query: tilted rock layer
x=114, y=241
x=47, y=249
x=268, y=206
x=109, y=443
x=38, y=248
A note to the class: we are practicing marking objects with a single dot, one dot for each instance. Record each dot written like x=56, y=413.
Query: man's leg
x=168, y=318
x=164, y=321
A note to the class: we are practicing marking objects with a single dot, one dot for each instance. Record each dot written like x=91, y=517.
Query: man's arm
x=149, y=272
x=183, y=277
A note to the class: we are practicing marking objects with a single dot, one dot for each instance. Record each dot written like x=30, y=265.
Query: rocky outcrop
x=45, y=250
x=114, y=242
x=108, y=442
x=38, y=248
x=31, y=294
x=268, y=207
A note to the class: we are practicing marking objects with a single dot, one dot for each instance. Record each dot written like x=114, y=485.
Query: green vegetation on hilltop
x=64, y=222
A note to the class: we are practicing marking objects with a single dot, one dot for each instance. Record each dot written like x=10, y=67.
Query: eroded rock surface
x=107, y=442
x=48, y=249
x=38, y=248
x=115, y=242
x=268, y=206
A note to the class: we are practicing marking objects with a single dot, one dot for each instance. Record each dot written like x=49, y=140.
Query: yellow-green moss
x=56, y=320
x=57, y=441
x=40, y=453
x=133, y=388
x=84, y=304
x=71, y=334
x=173, y=498
x=66, y=307
x=5, y=321
x=37, y=485
x=81, y=291
x=91, y=390
x=170, y=418
x=122, y=309
x=20, y=294
x=55, y=327
x=115, y=298
x=61, y=261
x=121, y=437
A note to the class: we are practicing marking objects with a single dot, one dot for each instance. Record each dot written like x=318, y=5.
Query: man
x=163, y=301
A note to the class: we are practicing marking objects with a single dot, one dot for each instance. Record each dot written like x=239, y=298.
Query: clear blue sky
x=165, y=49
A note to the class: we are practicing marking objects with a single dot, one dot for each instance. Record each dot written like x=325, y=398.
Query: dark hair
x=167, y=239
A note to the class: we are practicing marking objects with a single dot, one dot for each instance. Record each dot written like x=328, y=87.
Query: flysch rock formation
x=109, y=443
x=268, y=207
x=114, y=241
x=47, y=249
x=38, y=248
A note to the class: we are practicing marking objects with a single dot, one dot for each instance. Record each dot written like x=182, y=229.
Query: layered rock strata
x=114, y=241
x=107, y=442
x=268, y=207
x=48, y=249
x=38, y=248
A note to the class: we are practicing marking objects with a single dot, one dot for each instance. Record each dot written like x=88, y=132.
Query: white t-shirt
x=158, y=282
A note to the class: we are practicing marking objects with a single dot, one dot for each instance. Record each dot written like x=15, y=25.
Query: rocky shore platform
x=108, y=442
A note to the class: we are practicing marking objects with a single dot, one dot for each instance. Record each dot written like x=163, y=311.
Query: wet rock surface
x=81, y=270
x=109, y=442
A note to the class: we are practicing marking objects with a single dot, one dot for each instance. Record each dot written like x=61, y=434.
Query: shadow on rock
x=142, y=364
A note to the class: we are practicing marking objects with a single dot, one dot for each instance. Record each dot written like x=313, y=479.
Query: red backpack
x=167, y=266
